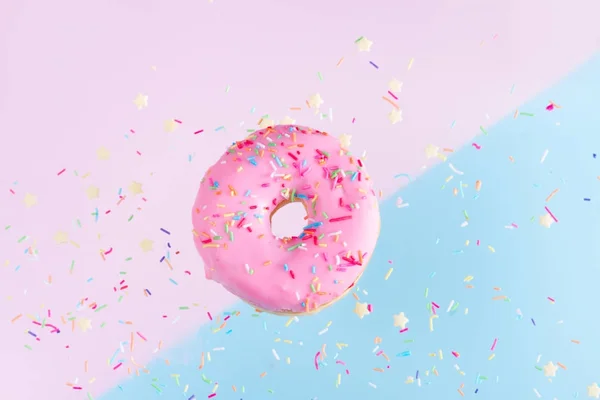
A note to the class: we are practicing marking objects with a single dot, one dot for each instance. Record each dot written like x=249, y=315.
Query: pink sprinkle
x=494, y=344
x=380, y=352
x=340, y=218
x=435, y=305
x=210, y=396
x=316, y=362
x=552, y=215
x=117, y=366
x=551, y=299
x=403, y=330
x=209, y=316
x=515, y=225
x=138, y=152
x=178, y=121
x=478, y=147
x=478, y=242
x=200, y=131
x=108, y=252
x=12, y=191
x=340, y=362
x=370, y=307
x=392, y=94
x=455, y=354
x=142, y=336
x=61, y=171
x=132, y=131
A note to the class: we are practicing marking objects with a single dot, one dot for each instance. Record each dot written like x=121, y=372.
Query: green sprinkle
x=130, y=218
x=359, y=39
x=7, y=227
x=184, y=308
x=526, y=114
x=89, y=396
x=120, y=298
x=426, y=292
x=409, y=340
x=128, y=259
x=294, y=247
x=466, y=215
x=538, y=368
x=320, y=76
x=312, y=288
x=155, y=386
x=205, y=379
x=28, y=347
x=231, y=236
x=103, y=306
x=23, y=238
x=325, y=215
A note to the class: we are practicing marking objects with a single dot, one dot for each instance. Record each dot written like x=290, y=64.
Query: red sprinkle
x=340, y=218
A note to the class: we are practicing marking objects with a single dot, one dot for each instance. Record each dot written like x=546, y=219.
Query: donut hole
x=288, y=219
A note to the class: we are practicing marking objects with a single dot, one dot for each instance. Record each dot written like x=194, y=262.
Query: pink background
x=69, y=71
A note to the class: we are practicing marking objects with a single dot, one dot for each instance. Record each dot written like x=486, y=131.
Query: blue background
x=530, y=264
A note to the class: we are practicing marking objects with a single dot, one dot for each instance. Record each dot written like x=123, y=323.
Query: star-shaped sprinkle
x=550, y=369
x=61, y=237
x=546, y=220
x=364, y=44
x=30, y=200
x=400, y=320
x=135, y=188
x=92, y=192
x=315, y=101
x=345, y=140
x=395, y=85
x=141, y=101
x=594, y=390
x=170, y=125
x=287, y=121
x=85, y=324
x=432, y=151
x=147, y=245
x=395, y=116
x=265, y=123
x=102, y=153
x=361, y=309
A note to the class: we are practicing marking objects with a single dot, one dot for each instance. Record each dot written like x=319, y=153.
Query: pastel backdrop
x=70, y=72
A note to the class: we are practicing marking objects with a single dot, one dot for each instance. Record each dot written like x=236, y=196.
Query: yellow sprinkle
x=410, y=63
x=289, y=322
x=492, y=249
x=287, y=341
x=339, y=379
x=288, y=360
x=208, y=355
x=441, y=354
x=491, y=357
x=389, y=273
x=228, y=215
x=448, y=179
x=467, y=243
x=431, y=322
x=468, y=279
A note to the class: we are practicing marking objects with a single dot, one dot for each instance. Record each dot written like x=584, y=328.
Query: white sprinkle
x=219, y=349
x=372, y=385
x=537, y=393
x=275, y=354
x=544, y=156
x=450, y=306
x=455, y=170
x=539, y=357
x=375, y=349
x=323, y=331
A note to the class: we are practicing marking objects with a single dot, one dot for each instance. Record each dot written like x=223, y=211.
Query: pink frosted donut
x=239, y=195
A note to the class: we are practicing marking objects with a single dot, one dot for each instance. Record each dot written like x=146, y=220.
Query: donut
x=233, y=213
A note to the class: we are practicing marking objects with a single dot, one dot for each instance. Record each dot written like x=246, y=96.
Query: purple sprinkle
x=193, y=397
x=586, y=199
x=169, y=244
x=147, y=291
x=532, y=321
x=165, y=231
x=476, y=390
x=32, y=334
x=417, y=375
x=373, y=64
x=162, y=259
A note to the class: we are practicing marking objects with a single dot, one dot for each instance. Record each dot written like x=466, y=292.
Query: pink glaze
x=231, y=219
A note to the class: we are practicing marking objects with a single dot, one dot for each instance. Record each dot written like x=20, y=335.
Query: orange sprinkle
x=355, y=296
x=377, y=369
x=499, y=298
x=340, y=62
x=575, y=341
x=263, y=374
x=16, y=318
x=131, y=342
x=267, y=263
x=167, y=362
x=561, y=365
x=201, y=361
x=391, y=102
x=233, y=388
x=85, y=366
x=551, y=195
x=461, y=392
x=295, y=108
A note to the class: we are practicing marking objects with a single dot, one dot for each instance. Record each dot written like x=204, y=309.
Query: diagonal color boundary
x=426, y=244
